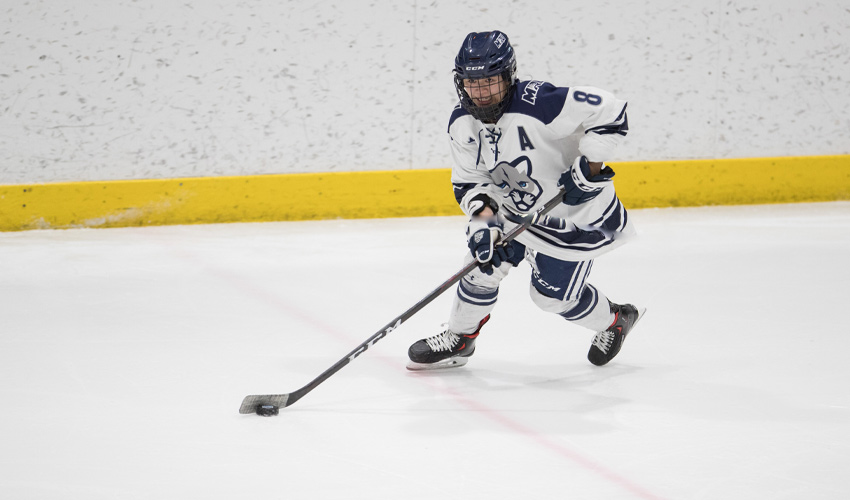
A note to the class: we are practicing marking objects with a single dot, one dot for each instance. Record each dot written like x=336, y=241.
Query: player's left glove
x=581, y=187
x=483, y=236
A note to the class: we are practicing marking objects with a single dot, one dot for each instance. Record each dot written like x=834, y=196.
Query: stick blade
x=250, y=403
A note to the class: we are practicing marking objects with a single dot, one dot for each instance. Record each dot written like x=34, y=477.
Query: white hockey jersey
x=518, y=160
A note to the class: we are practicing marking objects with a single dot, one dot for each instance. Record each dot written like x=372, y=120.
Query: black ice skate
x=445, y=350
x=607, y=343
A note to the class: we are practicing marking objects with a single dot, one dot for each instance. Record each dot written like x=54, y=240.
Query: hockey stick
x=268, y=404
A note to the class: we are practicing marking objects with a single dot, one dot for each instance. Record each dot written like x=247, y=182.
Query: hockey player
x=514, y=144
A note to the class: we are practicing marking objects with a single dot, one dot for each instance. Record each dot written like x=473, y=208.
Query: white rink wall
x=120, y=89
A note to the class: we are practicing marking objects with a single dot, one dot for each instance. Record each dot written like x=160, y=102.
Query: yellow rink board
x=398, y=193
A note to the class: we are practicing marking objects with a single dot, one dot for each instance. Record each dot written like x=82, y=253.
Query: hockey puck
x=267, y=410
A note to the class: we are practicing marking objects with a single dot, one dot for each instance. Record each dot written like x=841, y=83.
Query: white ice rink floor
x=125, y=353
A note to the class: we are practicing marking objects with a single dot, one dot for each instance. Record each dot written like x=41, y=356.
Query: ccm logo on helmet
x=474, y=68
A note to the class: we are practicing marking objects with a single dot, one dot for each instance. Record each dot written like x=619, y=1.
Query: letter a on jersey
x=524, y=141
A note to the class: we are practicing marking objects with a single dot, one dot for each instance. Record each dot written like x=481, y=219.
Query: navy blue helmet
x=485, y=55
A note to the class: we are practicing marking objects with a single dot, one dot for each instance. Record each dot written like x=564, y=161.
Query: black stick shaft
x=250, y=403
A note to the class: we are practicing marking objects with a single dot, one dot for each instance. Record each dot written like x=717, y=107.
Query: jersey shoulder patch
x=538, y=99
x=456, y=113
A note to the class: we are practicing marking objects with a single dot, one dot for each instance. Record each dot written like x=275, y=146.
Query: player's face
x=486, y=91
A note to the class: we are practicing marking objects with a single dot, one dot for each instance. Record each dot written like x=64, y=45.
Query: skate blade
x=641, y=312
x=455, y=362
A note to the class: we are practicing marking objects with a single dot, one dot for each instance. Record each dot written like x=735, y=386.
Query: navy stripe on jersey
x=606, y=212
x=476, y=298
x=618, y=126
x=540, y=100
x=456, y=113
x=586, y=304
x=462, y=189
x=572, y=238
x=614, y=218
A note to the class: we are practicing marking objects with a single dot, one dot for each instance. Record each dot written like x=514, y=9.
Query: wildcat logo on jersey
x=529, y=95
x=514, y=179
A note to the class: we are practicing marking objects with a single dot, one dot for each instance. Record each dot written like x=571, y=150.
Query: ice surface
x=125, y=353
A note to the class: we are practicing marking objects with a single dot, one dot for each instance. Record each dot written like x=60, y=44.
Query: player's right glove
x=581, y=187
x=483, y=235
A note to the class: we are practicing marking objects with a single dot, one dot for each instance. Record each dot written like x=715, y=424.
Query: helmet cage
x=490, y=113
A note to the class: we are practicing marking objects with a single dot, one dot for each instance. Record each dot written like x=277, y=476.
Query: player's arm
x=602, y=119
x=473, y=186
x=604, y=122
x=473, y=191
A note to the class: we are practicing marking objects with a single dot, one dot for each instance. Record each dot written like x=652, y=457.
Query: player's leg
x=560, y=287
x=476, y=297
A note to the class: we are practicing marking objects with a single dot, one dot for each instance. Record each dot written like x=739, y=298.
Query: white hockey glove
x=483, y=235
x=581, y=187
